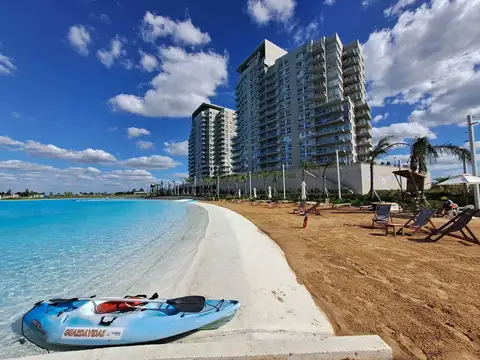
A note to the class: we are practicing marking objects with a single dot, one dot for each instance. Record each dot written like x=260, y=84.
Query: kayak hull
x=77, y=325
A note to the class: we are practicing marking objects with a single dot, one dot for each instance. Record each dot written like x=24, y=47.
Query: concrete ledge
x=369, y=347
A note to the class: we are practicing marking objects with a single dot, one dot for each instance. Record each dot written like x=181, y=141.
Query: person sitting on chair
x=447, y=205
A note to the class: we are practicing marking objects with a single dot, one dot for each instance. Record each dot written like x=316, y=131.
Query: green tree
x=276, y=175
x=423, y=153
x=384, y=145
x=265, y=175
x=330, y=163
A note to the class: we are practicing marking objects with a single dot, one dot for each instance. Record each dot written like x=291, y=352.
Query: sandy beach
x=423, y=299
x=278, y=316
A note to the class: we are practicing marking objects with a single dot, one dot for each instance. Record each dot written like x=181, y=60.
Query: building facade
x=301, y=106
x=210, y=141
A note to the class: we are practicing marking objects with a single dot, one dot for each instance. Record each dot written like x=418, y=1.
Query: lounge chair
x=300, y=210
x=312, y=210
x=418, y=222
x=458, y=223
x=382, y=214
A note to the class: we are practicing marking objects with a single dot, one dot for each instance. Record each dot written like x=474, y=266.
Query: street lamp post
x=471, y=135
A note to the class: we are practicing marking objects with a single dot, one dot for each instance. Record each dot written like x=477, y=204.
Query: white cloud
x=145, y=145
x=101, y=17
x=6, y=177
x=185, y=80
x=84, y=156
x=158, y=162
x=108, y=56
x=398, y=7
x=264, y=11
x=148, y=62
x=303, y=34
x=80, y=39
x=417, y=62
x=182, y=32
x=112, y=128
x=48, y=178
x=133, y=132
x=15, y=115
x=402, y=131
x=330, y=2
x=129, y=175
x=177, y=148
x=8, y=141
x=6, y=65
x=24, y=166
x=379, y=117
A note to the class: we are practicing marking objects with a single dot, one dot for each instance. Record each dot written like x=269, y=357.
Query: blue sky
x=76, y=76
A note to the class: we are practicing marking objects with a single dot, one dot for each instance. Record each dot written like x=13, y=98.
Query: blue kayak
x=87, y=323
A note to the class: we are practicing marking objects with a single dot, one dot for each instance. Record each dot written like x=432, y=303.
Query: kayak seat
x=116, y=306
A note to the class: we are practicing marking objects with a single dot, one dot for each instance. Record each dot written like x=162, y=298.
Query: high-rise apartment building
x=210, y=141
x=301, y=106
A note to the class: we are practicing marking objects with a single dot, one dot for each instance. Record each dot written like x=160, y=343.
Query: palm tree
x=265, y=175
x=307, y=165
x=243, y=178
x=422, y=152
x=276, y=175
x=331, y=162
x=382, y=148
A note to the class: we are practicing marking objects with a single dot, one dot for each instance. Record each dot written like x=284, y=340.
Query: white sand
x=277, y=317
x=238, y=261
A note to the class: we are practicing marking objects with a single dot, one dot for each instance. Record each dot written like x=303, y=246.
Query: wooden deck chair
x=458, y=223
x=312, y=210
x=382, y=214
x=300, y=210
x=418, y=221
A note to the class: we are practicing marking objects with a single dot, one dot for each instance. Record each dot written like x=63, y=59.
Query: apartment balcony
x=355, y=60
x=319, y=95
x=352, y=70
x=271, y=110
x=271, y=95
x=365, y=133
x=265, y=131
x=363, y=114
x=322, y=121
x=330, y=131
x=317, y=68
x=270, y=135
x=348, y=80
x=362, y=105
x=352, y=51
x=364, y=142
x=318, y=86
x=269, y=144
x=316, y=49
x=353, y=88
x=271, y=160
x=271, y=151
x=363, y=123
x=316, y=59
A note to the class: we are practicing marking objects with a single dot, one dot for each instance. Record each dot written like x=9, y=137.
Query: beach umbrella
x=254, y=193
x=303, y=194
x=269, y=192
x=239, y=193
x=461, y=179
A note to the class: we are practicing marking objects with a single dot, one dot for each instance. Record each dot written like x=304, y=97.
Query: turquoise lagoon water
x=55, y=248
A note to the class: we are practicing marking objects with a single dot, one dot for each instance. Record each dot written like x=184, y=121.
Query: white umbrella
x=269, y=192
x=303, y=195
x=254, y=193
x=461, y=179
x=239, y=193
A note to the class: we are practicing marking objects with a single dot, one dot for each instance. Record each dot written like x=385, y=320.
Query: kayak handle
x=106, y=323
